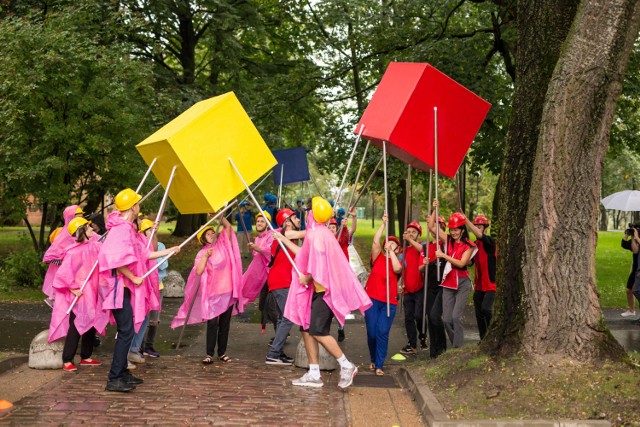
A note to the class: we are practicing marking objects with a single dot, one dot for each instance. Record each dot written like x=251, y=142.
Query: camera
x=629, y=230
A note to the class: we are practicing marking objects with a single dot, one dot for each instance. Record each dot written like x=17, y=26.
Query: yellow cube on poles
x=200, y=142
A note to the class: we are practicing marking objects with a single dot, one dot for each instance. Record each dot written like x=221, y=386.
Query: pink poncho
x=71, y=275
x=218, y=287
x=62, y=243
x=152, y=282
x=123, y=247
x=322, y=258
x=256, y=275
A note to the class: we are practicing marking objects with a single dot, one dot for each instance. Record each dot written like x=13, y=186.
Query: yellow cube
x=200, y=142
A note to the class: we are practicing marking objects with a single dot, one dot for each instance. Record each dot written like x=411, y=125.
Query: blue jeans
x=378, y=327
x=283, y=326
x=139, y=337
x=124, y=323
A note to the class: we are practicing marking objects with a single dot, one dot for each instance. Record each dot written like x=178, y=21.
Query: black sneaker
x=119, y=385
x=131, y=380
x=286, y=359
x=340, y=335
x=276, y=361
x=407, y=349
x=424, y=345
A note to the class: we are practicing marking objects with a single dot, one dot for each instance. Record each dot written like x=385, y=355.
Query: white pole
x=353, y=152
x=426, y=267
x=155, y=267
x=435, y=153
x=386, y=228
x=280, y=188
x=162, y=205
x=146, y=196
x=144, y=178
x=364, y=156
x=407, y=207
x=82, y=287
x=246, y=186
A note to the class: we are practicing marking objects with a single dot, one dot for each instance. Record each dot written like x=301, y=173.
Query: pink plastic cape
x=256, y=275
x=62, y=243
x=152, y=282
x=322, y=258
x=123, y=246
x=71, y=275
x=218, y=287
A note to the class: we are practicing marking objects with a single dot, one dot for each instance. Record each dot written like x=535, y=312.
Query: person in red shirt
x=376, y=319
x=455, y=283
x=413, y=289
x=437, y=335
x=484, y=292
x=279, y=281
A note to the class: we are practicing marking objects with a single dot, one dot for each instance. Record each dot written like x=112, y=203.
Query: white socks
x=314, y=371
x=344, y=363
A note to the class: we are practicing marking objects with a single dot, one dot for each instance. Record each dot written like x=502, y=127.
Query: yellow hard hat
x=201, y=232
x=145, y=224
x=126, y=199
x=79, y=211
x=76, y=223
x=54, y=234
x=322, y=211
x=267, y=215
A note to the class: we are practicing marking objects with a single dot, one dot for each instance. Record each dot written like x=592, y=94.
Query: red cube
x=401, y=112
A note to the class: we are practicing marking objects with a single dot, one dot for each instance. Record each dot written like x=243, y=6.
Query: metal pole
x=246, y=234
x=144, y=178
x=181, y=245
x=162, y=205
x=435, y=153
x=355, y=185
x=386, y=228
x=82, y=287
x=426, y=267
x=280, y=187
x=282, y=246
x=366, y=185
x=146, y=196
x=353, y=152
x=407, y=202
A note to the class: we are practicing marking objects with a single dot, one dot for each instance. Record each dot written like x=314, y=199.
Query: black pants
x=412, y=303
x=437, y=335
x=72, y=340
x=218, y=332
x=124, y=324
x=483, y=304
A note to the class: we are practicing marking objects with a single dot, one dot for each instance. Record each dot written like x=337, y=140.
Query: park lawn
x=612, y=262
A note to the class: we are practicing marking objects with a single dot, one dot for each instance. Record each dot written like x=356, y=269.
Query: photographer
x=633, y=246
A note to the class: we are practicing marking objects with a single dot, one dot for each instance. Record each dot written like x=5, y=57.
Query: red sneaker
x=69, y=367
x=90, y=362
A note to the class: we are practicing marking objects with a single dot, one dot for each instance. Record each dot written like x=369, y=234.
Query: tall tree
x=569, y=69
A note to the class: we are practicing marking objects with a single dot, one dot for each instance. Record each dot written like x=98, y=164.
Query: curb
x=434, y=415
x=11, y=362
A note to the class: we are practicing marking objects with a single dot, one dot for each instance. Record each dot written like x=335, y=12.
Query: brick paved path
x=180, y=391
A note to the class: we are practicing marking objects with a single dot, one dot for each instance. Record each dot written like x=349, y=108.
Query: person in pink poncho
x=56, y=252
x=215, y=288
x=256, y=275
x=87, y=315
x=333, y=290
x=122, y=261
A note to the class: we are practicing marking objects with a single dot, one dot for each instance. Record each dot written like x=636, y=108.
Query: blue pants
x=139, y=337
x=378, y=327
x=283, y=326
x=124, y=323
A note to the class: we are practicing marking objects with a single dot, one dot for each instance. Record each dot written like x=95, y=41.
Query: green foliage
x=22, y=268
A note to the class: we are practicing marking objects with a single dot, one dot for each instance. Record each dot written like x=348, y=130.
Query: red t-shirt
x=376, y=286
x=280, y=272
x=413, y=279
x=485, y=261
x=343, y=241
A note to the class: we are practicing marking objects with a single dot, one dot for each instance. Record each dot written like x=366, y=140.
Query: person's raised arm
x=288, y=243
x=227, y=226
x=354, y=222
x=295, y=234
x=203, y=261
x=412, y=242
x=164, y=252
x=375, y=246
x=433, y=223
x=395, y=262
x=475, y=230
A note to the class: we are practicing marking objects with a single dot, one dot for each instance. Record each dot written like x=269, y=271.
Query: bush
x=22, y=268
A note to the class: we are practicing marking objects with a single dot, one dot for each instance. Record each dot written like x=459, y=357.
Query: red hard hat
x=282, y=216
x=481, y=220
x=394, y=239
x=333, y=221
x=417, y=226
x=457, y=219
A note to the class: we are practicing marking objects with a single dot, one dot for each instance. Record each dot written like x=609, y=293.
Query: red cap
x=333, y=221
x=457, y=219
x=417, y=226
x=282, y=216
x=481, y=220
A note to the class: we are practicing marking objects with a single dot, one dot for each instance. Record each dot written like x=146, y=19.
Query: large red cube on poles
x=401, y=112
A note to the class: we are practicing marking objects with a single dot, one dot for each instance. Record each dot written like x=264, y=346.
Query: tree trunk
x=562, y=305
x=186, y=225
x=542, y=27
x=604, y=219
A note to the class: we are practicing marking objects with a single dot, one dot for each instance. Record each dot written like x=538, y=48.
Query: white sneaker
x=628, y=314
x=346, y=376
x=308, y=381
x=131, y=366
x=135, y=357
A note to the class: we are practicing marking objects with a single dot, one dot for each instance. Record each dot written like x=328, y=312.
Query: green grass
x=612, y=262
